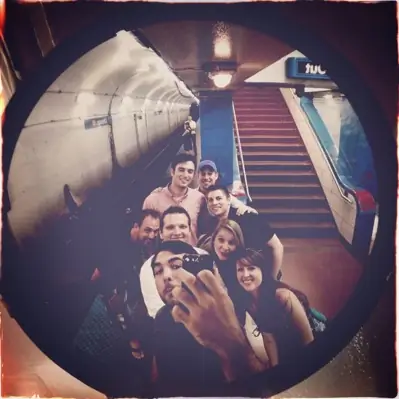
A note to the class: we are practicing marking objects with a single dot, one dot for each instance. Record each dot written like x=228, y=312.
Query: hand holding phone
x=194, y=263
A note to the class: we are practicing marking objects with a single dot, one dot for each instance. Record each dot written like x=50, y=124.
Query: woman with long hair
x=280, y=312
x=225, y=241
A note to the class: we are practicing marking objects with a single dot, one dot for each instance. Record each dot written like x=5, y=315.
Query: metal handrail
x=241, y=155
x=341, y=191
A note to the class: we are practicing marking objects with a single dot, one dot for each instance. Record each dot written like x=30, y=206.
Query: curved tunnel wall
x=111, y=106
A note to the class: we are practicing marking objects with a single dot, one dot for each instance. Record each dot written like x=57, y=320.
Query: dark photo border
x=270, y=19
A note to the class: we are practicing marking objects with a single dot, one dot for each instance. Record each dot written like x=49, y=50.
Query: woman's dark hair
x=268, y=305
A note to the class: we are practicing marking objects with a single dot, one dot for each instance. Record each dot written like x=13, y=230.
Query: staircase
x=281, y=179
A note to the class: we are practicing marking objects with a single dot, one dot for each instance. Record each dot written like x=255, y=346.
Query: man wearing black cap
x=199, y=344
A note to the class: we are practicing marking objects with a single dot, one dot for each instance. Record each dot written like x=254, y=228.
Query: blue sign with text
x=97, y=122
x=303, y=68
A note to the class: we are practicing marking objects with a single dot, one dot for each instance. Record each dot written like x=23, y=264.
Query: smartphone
x=194, y=263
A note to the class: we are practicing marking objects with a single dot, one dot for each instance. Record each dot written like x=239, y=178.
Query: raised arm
x=241, y=208
x=278, y=252
x=212, y=321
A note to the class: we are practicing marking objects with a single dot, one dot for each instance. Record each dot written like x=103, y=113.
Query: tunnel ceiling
x=187, y=45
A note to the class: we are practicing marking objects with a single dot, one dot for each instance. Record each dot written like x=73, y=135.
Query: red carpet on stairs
x=282, y=181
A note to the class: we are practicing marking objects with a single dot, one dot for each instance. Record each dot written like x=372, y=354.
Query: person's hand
x=219, y=277
x=209, y=315
x=245, y=209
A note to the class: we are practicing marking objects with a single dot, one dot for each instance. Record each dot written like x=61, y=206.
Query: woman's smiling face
x=249, y=276
x=225, y=244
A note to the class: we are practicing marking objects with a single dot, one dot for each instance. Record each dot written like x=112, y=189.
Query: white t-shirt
x=149, y=290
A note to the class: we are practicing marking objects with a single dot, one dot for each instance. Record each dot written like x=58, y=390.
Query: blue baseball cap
x=207, y=163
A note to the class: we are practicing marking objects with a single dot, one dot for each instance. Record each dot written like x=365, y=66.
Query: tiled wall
x=343, y=209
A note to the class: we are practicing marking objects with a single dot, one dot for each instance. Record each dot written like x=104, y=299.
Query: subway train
x=98, y=138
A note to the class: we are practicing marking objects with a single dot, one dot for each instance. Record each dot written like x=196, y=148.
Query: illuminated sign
x=303, y=68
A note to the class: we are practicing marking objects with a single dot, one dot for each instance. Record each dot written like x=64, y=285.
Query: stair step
x=292, y=176
x=262, y=112
x=268, y=129
x=272, y=144
x=275, y=153
x=250, y=102
x=252, y=98
x=298, y=217
x=272, y=147
x=303, y=225
x=287, y=156
x=252, y=166
x=288, y=197
x=282, y=189
x=244, y=122
x=261, y=118
x=310, y=244
x=270, y=138
x=260, y=108
x=276, y=184
x=316, y=211
x=305, y=230
x=266, y=132
x=287, y=179
x=287, y=201
x=280, y=163
x=309, y=233
x=281, y=173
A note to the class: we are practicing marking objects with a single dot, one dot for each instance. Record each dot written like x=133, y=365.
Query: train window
x=269, y=110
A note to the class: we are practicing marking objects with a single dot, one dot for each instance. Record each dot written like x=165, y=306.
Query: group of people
x=204, y=303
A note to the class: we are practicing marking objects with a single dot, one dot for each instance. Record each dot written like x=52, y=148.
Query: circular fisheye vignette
x=339, y=332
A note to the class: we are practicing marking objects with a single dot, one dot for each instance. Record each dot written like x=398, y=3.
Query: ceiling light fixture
x=221, y=79
x=220, y=72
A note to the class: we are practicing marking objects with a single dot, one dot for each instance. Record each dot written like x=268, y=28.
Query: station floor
x=326, y=273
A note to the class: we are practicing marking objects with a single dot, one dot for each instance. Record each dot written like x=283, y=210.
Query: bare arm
x=271, y=348
x=294, y=308
x=278, y=251
x=241, y=208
